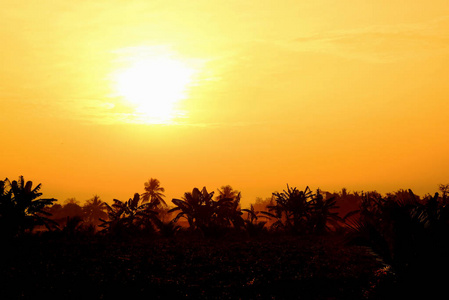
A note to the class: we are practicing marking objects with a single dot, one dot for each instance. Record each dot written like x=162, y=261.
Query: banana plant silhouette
x=303, y=212
x=130, y=217
x=20, y=208
x=203, y=213
x=322, y=214
x=252, y=225
x=409, y=234
x=292, y=209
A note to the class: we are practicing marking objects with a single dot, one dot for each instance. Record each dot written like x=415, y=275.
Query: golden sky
x=323, y=93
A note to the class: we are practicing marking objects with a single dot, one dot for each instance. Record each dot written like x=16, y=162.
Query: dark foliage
x=253, y=226
x=130, y=217
x=408, y=234
x=94, y=209
x=153, y=192
x=204, y=213
x=167, y=229
x=303, y=212
x=21, y=209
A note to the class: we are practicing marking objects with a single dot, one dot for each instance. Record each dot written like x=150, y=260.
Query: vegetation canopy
x=409, y=235
x=21, y=209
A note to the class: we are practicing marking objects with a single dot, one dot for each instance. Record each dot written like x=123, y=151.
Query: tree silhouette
x=252, y=225
x=292, y=209
x=20, y=208
x=71, y=201
x=322, y=214
x=203, y=213
x=130, y=217
x=72, y=208
x=253, y=215
x=303, y=212
x=61, y=214
x=153, y=192
x=167, y=229
x=230, y=212
x=94, y=209
x=227, y=192
x=444, y=189
x=195, y=206
x=407, y=233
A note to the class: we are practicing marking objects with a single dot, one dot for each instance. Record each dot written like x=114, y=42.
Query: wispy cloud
x=385, y=43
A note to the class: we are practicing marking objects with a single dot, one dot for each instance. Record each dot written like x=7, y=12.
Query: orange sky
x=328, y=94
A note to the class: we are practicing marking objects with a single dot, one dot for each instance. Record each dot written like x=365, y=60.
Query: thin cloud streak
x=381, y=44
x=107, y=113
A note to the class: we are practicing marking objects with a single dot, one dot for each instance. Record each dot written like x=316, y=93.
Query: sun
x=154, y=87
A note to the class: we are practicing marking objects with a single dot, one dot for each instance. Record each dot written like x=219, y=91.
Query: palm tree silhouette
x=227, y=192
x=94, y=209
x=153, y=192
x=230, y=211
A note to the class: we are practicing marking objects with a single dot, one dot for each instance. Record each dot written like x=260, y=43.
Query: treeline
x=408, y=233
x=293, y=210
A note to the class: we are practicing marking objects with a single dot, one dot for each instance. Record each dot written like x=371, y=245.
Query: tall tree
x=230, y=212
x=444, y=188
x=94, y=209
x=153, y=192
x=227, y=192
x=72, y=209
x=71, y=201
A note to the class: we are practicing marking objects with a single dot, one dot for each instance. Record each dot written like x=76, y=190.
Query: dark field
x=274, y=267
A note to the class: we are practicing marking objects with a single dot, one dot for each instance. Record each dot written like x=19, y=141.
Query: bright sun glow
x=154, y=87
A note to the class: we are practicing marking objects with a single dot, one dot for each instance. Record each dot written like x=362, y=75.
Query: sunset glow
x=97, y=97
x=224, y=149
